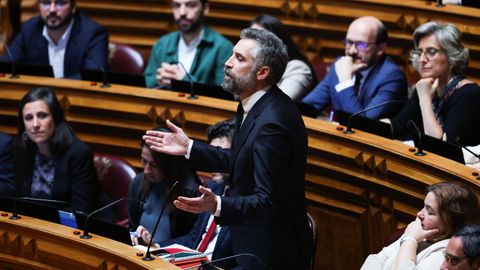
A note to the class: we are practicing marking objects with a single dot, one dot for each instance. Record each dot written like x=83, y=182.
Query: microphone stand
x=15, y=215
x=349, y=127
x=105, y=83
x=10, y=56
x=192, y=89
x=85, y=234
x=148, y=255
x=457, y=141
x=419, y=152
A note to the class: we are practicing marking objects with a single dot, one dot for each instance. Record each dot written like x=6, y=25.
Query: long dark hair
x=275, y=26
x=173, y=167
x=62, y=138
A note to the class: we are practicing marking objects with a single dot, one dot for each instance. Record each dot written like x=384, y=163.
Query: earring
x=25, y=136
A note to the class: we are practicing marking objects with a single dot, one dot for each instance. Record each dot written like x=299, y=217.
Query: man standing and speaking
x=265, y=209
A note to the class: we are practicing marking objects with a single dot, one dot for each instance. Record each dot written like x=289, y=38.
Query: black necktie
x=239, y=117
x=358, y=79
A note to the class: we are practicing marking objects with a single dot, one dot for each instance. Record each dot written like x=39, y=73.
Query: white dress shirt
x=56, y=52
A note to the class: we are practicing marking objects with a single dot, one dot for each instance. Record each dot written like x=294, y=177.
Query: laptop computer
x=441, y=148
x=365, y=124
x=95, y=75
x=104, y=228
x=27, y=69
x=201, y=89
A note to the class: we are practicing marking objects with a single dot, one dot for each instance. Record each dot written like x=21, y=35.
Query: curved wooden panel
x=359, y=187
x=30, y=243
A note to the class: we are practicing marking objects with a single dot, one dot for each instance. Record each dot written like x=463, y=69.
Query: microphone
x=105, y=83
x=419, y=152
x=457, y=141
x=203, y=264
x=85, y=234
x=10, y=57
x=349, y=127
x=192, y=89
x=148, y=255
x=15, y=215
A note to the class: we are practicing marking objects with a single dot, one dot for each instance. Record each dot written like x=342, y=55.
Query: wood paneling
x=359, y=187
x=29, y=243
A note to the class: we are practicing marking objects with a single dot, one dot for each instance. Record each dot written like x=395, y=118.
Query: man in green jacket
x=200, y=50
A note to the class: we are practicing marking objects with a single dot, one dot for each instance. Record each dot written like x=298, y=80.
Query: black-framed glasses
x=58, y=3
x=430, y=52
x=453, y=260
x=360, y=45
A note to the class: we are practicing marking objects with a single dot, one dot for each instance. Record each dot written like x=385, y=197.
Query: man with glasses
x=195, y=49
x=463, y=250
x=365, y=77
x=61, y=37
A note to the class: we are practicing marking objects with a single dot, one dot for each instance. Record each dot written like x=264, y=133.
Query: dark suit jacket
x=7, y=185
x=223, y=246
x=265, y=210
x=384, y=82
x=31, y=47
x=75, y=179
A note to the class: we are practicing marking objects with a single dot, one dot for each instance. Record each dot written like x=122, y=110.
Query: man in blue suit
x=265, y=210
x=61, y=37
x=364, y=77
x=7, y=185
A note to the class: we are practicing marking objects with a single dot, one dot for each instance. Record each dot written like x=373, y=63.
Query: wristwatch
x=406, y=238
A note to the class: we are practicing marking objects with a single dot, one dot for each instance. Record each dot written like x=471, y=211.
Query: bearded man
x=195, y=48
x=61, y=37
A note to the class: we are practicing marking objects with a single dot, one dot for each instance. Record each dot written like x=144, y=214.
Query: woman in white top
x=448, y=207
x=299, y=77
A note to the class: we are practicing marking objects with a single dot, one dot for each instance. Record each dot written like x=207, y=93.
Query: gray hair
x=270, y=52
x=470, y=236
x=448, y=36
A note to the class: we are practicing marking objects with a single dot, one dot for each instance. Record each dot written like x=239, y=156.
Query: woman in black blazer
x=50, y=162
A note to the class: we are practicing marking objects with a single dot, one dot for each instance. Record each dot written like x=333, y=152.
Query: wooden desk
x=358, y=187
x=30, y=243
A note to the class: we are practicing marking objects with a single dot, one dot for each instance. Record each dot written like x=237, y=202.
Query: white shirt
x=211, y=245
x=56, y=52
x=186, y=53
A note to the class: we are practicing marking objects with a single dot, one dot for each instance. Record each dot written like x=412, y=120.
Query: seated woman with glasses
x=299, y=76
x=148, y=194
x=447, y=208
x=444, y=103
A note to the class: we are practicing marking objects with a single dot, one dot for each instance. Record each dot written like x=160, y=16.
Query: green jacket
x=207, y=67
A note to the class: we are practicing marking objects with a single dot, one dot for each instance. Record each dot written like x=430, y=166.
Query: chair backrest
x=321, y=69
x=313, y=227
x=115, y=176
x=125, y=59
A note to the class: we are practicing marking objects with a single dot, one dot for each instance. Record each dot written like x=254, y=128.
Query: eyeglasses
x=430, y=52
x=453, y=260
x=57, y=3
x=360, y=45
x=151, y=164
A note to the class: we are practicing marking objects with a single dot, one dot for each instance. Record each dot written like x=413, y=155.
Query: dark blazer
x=384, y=82
x=31, y=47
x=223, y=246
x=180, y=221
x=75, y=179
x=7, y=184
x=265, y=210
